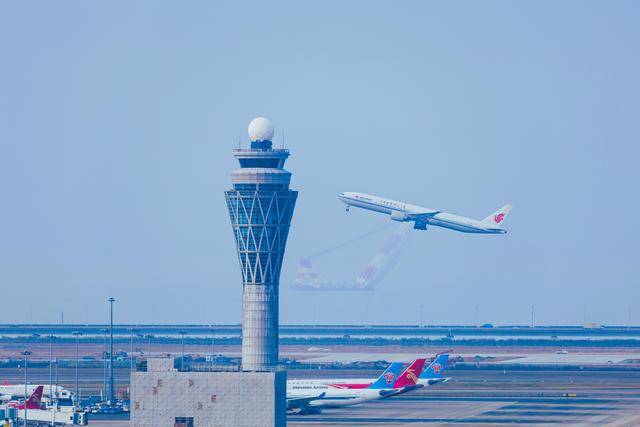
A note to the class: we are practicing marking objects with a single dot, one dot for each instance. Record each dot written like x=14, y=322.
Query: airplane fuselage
x=18, y=390
x=400, y=211
x=334, y=396
x=351, y=383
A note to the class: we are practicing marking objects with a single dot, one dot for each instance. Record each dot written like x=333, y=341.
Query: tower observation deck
x=260, y=207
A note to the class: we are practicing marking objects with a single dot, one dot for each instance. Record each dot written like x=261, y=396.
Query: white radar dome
x=261, y=129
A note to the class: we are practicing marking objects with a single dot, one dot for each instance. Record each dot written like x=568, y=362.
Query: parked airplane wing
x=301, y=402
x=398, y=391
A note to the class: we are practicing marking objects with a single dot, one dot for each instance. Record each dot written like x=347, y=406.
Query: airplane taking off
x=404, y=212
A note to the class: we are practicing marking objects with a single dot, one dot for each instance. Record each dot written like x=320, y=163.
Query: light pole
x=77, y=394
x=51, y=337
x=56, y=380
x=149, y=338
x=131, y=332
x=140, y=350
x=213, y=346
x=26, y=354
x=182, y=358
x=54, y=402
x=55, y=408
x=111, y=391
x=104, y=363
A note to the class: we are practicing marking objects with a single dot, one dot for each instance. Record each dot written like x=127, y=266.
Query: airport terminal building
x=165, y=396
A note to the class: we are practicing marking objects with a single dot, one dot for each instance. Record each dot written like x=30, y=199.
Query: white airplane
x=309, y=396
x=9, y=391
x=400, y=211
x=431, y=375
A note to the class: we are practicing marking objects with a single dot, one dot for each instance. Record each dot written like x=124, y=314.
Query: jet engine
x=398, y=216
x=420, y=225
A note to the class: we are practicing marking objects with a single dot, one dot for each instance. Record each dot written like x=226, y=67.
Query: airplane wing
x=399, y=391
x=427, y=213
x=301, y=402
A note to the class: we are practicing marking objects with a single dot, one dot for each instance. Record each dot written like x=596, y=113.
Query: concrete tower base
x=259, y=327
x=164, y=397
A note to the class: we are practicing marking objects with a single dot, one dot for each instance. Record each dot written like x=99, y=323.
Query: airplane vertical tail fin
x=410, y=376
x=34, y=400
x=497, y=217
x=436, y=369
x=388, y=377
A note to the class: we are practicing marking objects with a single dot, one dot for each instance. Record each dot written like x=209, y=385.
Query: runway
x=493, y=398
x=421, y=409
x=490, y=398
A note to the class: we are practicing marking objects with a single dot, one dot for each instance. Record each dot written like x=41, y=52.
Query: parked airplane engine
x=398, y=216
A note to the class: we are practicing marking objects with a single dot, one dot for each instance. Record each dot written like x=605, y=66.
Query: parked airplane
x=9, y=391
x=32, y=403
x=388, y=378
x=400, y=211
x=434, y=373
x=309, y=396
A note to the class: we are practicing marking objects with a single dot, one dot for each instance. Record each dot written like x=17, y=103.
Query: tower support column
x=259, y=327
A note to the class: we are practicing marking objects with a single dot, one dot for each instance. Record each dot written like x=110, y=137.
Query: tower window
x=260, y=163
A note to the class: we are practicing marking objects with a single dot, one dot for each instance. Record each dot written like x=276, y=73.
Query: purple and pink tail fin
x=34, y=400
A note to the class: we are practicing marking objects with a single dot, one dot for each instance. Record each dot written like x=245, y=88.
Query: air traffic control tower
x=167, y=393
x=260, y=206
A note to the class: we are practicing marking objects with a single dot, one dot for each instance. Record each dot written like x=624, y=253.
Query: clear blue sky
x=117, y=121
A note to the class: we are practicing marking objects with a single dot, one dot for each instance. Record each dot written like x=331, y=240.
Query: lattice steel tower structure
x=260, y=206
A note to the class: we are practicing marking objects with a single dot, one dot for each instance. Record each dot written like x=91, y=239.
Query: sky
x=118, y=120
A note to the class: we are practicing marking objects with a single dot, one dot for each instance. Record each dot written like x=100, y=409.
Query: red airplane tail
x=34, y=400
x=410, y=376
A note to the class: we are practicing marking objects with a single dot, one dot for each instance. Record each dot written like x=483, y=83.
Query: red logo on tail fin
x=498, y=218
x=389, y=377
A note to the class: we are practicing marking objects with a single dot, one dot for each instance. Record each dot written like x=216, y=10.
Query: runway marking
x=540, y=413
x=543, y=406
